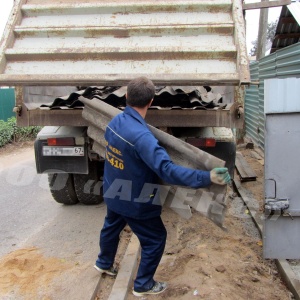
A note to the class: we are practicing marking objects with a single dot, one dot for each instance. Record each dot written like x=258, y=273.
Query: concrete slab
x=126, y=271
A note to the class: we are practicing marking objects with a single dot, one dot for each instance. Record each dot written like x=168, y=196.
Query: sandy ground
x=201, y=261
x=27, y=272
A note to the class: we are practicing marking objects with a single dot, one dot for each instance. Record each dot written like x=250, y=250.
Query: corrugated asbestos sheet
x=288, y=28
x=283, y=63
x=184, y=42
x=208, y=201
x=168, y=98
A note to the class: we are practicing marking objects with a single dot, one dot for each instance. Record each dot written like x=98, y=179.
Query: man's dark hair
x=140, y=91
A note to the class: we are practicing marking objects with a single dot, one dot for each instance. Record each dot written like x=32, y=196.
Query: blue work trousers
x=152, y=235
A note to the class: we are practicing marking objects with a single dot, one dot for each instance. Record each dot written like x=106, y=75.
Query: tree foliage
x=9, y=131
x=271, y=30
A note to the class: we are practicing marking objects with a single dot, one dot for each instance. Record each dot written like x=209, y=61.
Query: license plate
x=63, y=151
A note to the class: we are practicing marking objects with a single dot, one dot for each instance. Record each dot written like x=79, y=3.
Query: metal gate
x=282, y=165
x=7, y=103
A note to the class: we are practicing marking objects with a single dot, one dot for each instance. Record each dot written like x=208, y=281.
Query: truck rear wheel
x=62, y=188
x=88, y=187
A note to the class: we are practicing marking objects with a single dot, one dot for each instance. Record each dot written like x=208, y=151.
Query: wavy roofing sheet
x=288, y=27
x=183, y=42
x=165, y=98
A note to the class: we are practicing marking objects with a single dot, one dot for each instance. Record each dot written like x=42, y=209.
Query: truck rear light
x=210, y=142
x=201, y=142
x=61, y=141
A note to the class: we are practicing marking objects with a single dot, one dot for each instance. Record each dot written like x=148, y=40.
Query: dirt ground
x=201, y=261
x=15, y=148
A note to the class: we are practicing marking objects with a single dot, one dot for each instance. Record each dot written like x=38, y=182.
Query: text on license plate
x=63, y=151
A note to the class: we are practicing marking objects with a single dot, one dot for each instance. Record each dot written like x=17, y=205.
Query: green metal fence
x=283, y=63
x=7, y=103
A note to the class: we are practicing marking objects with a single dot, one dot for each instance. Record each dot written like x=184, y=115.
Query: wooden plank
x=244, y=170
x=266, y=4
x=255, y=155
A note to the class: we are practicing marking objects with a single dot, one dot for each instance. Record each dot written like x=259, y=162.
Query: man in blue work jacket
x=134, y=159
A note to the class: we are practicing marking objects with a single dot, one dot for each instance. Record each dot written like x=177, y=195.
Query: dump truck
x=59, y=52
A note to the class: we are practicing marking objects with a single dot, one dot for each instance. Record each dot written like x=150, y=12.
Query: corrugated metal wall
x=251, y=104
x=284, y=63
x=7, y=103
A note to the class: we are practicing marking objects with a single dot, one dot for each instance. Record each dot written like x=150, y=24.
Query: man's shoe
x=158, y=288
x=111, y=271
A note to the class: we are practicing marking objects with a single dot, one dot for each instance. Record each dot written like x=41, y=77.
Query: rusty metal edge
x=57, y=6
x=157, y=118
x=265, y=4
x=240, y=35
x=8, y=37
x=117, y=80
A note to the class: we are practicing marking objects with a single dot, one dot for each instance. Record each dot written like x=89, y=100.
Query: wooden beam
x=266, y=4
x=286, y=36
x=243, y=168
x=262, y=32
x=275, y=49
x=286, y=20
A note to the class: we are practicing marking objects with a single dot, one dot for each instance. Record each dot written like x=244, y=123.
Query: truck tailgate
x=184, y=42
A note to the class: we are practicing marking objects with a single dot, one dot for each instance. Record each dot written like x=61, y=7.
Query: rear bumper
x=57, y=163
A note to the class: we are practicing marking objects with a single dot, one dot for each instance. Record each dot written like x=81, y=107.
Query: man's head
x=140, y=91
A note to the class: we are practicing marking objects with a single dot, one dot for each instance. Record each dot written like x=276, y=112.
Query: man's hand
x=220, y=176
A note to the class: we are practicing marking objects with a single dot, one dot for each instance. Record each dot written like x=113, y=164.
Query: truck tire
x=88, y=187
x=62, y=188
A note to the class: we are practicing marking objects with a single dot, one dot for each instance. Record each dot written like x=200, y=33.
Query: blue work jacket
x=134, y=163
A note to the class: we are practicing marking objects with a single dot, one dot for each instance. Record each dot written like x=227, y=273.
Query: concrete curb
x=289, y=277
x=286, y=272
x=126, y=271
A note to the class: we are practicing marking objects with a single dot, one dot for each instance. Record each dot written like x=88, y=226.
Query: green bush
x=9, y=131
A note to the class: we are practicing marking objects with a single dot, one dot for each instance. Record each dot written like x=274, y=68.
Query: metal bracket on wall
x=276, y=206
